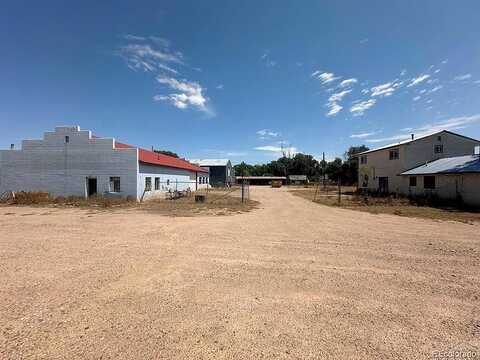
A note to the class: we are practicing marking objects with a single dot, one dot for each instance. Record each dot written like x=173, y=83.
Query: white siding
x=178, y=179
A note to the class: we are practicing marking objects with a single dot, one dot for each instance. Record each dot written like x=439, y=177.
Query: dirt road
x=291, y=279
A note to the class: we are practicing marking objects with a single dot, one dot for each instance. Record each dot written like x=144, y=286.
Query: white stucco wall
x=411, y=155
x=61, y=168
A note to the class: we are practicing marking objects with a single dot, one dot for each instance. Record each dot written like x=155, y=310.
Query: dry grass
x=44, y=199
x=387, y=205
x=218, y=202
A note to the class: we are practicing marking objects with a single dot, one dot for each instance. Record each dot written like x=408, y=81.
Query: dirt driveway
x=291, y=279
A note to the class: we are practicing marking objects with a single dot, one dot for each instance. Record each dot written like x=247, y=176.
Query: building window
x=67, y=139
x=438, y=149
x=394, y=154
x=148, y=184
x=168, y=181
x=157, y=183
x=429, y=182
x=413, y=181
x=363, y=159
x=439, y=138
x=115, y=184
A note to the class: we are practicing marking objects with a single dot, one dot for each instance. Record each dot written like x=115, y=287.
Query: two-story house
x=379, y=169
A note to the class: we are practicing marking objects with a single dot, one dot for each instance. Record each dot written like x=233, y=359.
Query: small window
x=148, y=184
x=157, y=183
x=115, y=184
x=394, y=154
x=363, y=159
x=413, y=181
x=439, y=138
x=67, y=139
x=429, y=182
x=438, y=149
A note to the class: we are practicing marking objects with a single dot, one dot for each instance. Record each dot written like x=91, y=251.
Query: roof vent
x=476, y=150
x=413, y=136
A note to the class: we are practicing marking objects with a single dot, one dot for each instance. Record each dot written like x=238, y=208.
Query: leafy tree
x=166, y=152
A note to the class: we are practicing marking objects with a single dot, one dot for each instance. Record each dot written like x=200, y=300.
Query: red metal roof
x=154, y=158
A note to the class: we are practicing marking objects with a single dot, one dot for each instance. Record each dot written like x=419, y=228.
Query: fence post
x=339, y=190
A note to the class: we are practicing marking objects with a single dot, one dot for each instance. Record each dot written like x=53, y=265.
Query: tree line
x=345, y=170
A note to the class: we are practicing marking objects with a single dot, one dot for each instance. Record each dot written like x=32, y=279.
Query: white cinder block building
x=72, y=162
x=379, y=169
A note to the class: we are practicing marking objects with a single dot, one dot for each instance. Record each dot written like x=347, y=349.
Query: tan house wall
x=411, y=155
x=449, y=186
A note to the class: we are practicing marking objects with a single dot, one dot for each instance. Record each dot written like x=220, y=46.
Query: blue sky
x=230, y=79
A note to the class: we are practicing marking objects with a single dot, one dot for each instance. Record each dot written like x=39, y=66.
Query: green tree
x=166, y=152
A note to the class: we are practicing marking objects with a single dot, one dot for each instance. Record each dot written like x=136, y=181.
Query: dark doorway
x=383, y=185
x=91, y=186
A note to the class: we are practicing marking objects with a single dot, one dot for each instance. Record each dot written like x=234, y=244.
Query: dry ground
x=291, y=279
x=387, y=205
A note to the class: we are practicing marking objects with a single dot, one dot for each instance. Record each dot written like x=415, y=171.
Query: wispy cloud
x=386, y=89
x=190, y=94
x=325, y=77
x=265, y=58
x=364, y=41
x=219, y=87
x=278, y=150
x=435, y=89
x=359, y=108
x=348, y=82
x=362, y=135
x=418, y=80
x=333, y=102
x=267, y=134
x=153, y=54
x=134, y=37
x=462, y=77
x=455, y=123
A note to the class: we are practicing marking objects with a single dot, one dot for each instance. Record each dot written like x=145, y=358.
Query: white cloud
x=267, y=134
x=403, y=73
x=362, y=135
x=325, y=77
x=462, y=77
x=435, y=89
x=219, y=87
x=416, y=98
x=154, y=55
x=191, y=94
x=455, y=123
x=348, y=82
x=134, y=37
x=386, y=89
x=418, y=80
x=364, y=41
x=365, y=91
x=333, y=102
x=290, y=150
x=339, y=96
x=267, y=60
x=359, y=109
x=334, y=109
